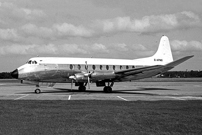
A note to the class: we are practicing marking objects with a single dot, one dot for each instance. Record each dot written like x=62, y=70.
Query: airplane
x=46, y=71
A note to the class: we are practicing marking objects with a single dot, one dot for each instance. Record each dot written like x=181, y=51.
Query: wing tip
x=190, y=56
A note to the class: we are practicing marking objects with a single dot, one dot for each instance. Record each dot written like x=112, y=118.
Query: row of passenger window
x=100, y=67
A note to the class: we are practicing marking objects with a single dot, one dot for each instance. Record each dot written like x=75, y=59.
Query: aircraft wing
x=150, y=70
x=179, y=61
x=137, y=70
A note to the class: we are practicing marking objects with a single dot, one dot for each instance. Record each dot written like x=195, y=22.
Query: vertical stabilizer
x=164, y=53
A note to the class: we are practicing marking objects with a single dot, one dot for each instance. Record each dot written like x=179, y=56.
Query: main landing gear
x=82, y=87
x=108, y=88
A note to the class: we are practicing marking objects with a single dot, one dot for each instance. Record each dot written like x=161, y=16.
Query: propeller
x=88, y=74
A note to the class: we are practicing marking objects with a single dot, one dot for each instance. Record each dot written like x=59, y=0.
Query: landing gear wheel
x=37, y=91
x=107, y=89
x=82, y=88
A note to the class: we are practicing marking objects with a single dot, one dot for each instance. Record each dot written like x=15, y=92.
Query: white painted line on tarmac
x=122, y=98
x=21, y=97
x=69, y=97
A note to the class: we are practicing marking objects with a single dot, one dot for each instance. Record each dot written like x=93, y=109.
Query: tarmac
x=122, y=91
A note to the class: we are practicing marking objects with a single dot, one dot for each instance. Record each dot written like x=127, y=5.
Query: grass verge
x=100, y=117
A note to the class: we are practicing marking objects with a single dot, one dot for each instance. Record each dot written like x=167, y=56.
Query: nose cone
x=15, y=74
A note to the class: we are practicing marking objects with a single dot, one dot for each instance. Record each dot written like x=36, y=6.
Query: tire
x=107, y=89
x=82, y=88
x=37, y=91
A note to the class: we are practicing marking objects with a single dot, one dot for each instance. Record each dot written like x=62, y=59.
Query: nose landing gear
x=37, y=90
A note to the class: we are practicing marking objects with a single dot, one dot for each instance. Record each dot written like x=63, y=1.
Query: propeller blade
x=86, y=66
x=88, y=82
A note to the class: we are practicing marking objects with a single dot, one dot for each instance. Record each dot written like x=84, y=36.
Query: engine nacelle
x=102, y=76
x=80, y=77
x=83, y=77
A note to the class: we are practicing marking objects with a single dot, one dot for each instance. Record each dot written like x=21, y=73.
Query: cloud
x=15, y=49
x=139, y=47
x=56, y=30
x=33, y=30
x=33, y=12
x=153, y=23
x=8, y=34
x=147, y=24
x=28, y=49
x=178, y=45
x=43, y=49
x=72, y=30
x=121, y=47
x=11, y=13
x=99, y=47
x=71, y=49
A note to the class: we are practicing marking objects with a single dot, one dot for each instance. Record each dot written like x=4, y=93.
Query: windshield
x=31, y=62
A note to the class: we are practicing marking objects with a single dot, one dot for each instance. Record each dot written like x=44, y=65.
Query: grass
x=100, y=117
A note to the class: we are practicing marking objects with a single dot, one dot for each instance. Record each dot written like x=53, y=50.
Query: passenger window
x=120, y=67
x=100, y=67
x=93, y=67
x=133, y=66
x=86, y=67
x=71, y=66
x=127, y=67
x=79, y=67
x=114, y=67
x=107, y=67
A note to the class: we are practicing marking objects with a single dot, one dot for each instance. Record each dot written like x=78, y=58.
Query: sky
x=119, y=29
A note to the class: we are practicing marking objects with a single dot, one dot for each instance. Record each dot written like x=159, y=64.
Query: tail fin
x=164, y=53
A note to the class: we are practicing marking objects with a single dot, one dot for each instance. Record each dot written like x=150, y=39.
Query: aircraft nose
x=15, y=74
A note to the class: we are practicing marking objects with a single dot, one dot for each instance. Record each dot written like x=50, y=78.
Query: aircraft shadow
x=138, y=91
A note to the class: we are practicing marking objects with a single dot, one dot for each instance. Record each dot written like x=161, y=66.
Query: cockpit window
x=31, y=62
x=34, y=62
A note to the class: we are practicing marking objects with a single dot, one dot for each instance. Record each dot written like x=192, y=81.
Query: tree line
x=181, y=74
x=5, y=75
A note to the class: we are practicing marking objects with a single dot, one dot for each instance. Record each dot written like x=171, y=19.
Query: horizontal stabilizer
x=177, y=62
